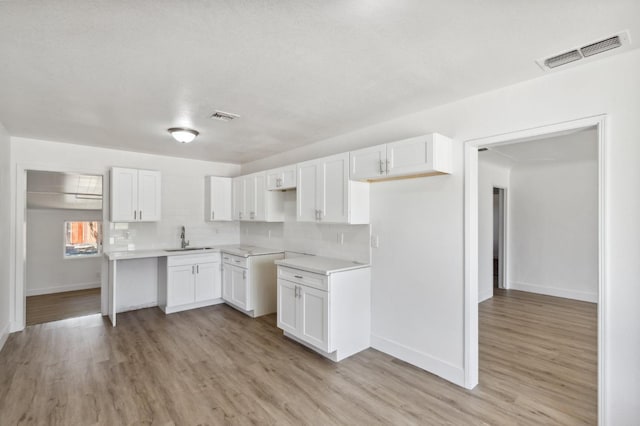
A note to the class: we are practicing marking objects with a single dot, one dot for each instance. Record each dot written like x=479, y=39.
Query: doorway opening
x=63, y=252
x=499, y=218
x=535, y=242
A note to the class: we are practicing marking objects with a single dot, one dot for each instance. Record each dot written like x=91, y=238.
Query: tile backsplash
x=331, y=240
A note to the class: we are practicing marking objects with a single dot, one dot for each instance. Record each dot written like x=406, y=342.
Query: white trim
x=584, y=296
x=425, y=361
x=4, y=334
x=471, y=239
x=62, y=288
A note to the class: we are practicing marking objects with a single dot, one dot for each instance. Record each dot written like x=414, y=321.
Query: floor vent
x=224, y=116
x=620, y=40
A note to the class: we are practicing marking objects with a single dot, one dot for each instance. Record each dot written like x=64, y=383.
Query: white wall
x=331, y=240
x=5, y=235
x=47, y=270
x=613, y=89
x=553, y=238
x=489, y=176
x=182, y=200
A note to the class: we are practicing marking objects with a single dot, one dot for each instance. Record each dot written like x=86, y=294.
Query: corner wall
x=5, y=234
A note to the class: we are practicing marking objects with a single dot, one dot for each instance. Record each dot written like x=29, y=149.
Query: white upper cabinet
x=218, y=203
x=282, y=178
x=420, y=156
x=135, y=195
x=325, y=193
x=239, y=211
x=252, y=201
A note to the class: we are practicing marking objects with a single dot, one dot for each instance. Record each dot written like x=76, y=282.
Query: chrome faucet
x=183, y=243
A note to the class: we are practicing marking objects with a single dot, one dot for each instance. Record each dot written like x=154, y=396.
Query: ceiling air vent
x=224, y=116
x=601, y=46
x=562, y=59
x=620, y=40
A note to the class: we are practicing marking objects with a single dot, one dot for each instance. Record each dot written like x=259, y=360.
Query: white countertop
x=320, y=265
x=246, y=250
x=141, y=254
x=236, y=249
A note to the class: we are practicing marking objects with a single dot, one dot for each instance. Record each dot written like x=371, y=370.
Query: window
x=82, y=239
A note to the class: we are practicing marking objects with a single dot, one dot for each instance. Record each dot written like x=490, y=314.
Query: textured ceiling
x=119, y=73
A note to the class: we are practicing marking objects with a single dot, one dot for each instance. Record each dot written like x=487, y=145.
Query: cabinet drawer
x=310, y=279
x=192, y=259
x=234, y=260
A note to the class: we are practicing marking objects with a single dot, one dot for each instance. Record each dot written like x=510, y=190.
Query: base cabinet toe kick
x=330, y=314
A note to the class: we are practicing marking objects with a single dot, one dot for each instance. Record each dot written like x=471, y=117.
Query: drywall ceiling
x=118, y=74
x=54, y=190
x=563, y=147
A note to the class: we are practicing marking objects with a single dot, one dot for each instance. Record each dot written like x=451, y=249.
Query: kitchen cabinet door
x=124, y=195
x=207, y=285
x=282, y=178
x=287, y=307
x=180, y=285
x=149, y=202
x=368, y=163
x=314, y=317
x=227, y=283
x=333, y=193
x=218, y=199
x=240, y=295
x=259, y=184
x=307, y=192
x=410, y=156
x=288, y=177
x=238, y=198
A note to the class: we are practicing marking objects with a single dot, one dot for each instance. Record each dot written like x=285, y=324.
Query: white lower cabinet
x=249, y=283
x=189, y=281
x=330, y=314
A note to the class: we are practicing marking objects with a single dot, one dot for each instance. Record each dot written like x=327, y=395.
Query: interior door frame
x=18, y=311
x=503, y=208
x=471, y=240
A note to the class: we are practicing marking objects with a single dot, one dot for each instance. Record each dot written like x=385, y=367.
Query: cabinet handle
x=197, y=269
x=140, y=214
x=295, y=292
x=225, y=258
x=244, y=275
x=193, y=269
x=135, y=212
x=387, y=165
x=212, y=215
x=320, y=214
x=298, y=276
x=381, y=170
x=235, y=260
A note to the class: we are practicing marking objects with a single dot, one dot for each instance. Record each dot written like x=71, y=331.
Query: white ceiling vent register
x=619, y=41
x=224, y=116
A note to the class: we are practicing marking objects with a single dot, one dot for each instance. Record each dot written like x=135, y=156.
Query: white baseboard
x=484, y=296
x=4, y=334
x=420, y=359
x=555, y=291
x=62, y=288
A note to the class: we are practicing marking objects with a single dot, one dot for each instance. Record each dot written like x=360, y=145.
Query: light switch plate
x=375, y=241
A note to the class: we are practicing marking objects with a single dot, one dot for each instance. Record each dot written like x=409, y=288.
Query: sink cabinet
x=330, y=314
x=189, y=281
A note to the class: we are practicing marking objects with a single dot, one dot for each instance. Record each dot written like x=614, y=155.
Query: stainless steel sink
x=188, y=249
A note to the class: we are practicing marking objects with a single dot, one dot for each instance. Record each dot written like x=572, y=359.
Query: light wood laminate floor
x=58, y=306
x=216, y=366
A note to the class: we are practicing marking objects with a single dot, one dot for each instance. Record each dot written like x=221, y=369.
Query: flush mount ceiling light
x=182, y=134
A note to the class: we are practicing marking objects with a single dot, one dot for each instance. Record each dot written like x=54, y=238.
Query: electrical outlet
x=375, y=241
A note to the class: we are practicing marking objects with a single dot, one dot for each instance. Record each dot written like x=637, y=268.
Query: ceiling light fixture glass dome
x=182, y=134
